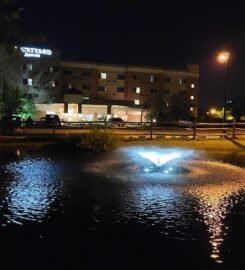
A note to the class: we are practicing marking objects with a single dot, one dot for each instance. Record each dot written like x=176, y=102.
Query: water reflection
x=215, y=202
x=174, y=203
x=32, y=188
x=161, y=206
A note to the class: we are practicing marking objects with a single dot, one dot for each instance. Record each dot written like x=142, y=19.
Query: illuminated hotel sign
x=34, y=52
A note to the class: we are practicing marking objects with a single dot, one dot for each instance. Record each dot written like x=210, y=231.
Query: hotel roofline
x=191, y=70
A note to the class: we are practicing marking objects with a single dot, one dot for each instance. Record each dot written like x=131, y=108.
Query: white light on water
x=159, y=158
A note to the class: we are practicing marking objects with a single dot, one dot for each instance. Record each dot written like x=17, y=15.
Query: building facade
x=136, y=87
x=85, y=91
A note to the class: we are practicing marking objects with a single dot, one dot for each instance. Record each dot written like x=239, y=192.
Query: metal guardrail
x=149, y=129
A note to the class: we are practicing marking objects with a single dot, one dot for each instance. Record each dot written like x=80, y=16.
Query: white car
x=115, y=122
x=185, y=123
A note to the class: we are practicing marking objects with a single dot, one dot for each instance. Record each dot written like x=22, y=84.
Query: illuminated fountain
x=166, y=181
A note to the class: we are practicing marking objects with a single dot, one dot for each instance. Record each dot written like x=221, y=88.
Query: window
x=192, y=97
x=166, y=92
x=120, y=89
x=67, y=72
x=54, y=83
x=153, y=78
x=182, y=92
x=102, y=75
x=120, y=77
x=86, y=87
x=25, y=81
x=136, y=90
x=87, y=73
x=136, y=102
x=35, y=95
x=182, y=81
x=153, y=91
x=167, y=80
x=192, y=85
x=101, y=88
x=54, y=69
x=29, y=81
x=134, y=77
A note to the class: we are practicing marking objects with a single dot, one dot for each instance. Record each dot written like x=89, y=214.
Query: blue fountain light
x=155, y=160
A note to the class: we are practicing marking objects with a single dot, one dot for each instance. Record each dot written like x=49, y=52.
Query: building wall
x=130, y=83
x=36, y=77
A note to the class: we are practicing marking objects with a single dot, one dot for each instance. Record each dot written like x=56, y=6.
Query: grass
x=204, y=144
x=100, y=141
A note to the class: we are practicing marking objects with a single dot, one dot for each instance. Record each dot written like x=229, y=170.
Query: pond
x=70, y=210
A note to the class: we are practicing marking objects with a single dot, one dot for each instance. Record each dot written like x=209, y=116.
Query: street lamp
x=223, y=58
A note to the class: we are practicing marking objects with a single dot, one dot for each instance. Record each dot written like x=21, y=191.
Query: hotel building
x=89, y=91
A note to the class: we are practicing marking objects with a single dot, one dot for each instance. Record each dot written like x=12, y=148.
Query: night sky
x=155, y=33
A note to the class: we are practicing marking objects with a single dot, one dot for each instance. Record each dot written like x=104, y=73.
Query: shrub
x=97, y=140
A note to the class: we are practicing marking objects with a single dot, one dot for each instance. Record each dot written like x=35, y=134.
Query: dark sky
x=166, y=33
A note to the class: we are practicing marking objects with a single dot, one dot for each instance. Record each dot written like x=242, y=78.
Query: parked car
x=50, y=120
x=186, y=122
x=11, y=125
x=115, y=122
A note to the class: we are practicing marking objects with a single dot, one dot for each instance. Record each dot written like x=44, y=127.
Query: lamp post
x=223, y=58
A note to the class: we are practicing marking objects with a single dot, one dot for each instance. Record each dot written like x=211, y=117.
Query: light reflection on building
x=34, y=187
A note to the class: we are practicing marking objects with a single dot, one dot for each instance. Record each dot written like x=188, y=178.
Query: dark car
x=115, y=122
x=11, y=125
x=51, y=120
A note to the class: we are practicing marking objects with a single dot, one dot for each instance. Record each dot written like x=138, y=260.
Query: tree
x=15, y=103
x=180, y=105
x=158, y=107
x=238, y=108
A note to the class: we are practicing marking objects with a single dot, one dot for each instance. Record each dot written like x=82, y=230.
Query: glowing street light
x=223, y=58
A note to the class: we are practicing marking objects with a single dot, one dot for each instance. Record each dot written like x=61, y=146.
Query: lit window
x=192, y=97
x=191, y=109
x=167, y=104
x=192, y=85
x=53, y=83
x=29, y=82
x=103, y=75
x=137, y=90
x=136, y=102
x=180, y=81
x=153, y=78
